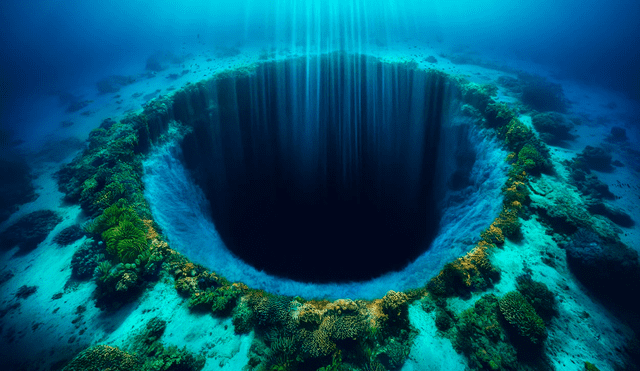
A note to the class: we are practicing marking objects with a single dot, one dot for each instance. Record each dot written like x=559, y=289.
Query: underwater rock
x=5, y=276
x=57, y=150
x=85, y=259
x=609, y=269
x=595, y=158
x=617, y=135
x=16, y=189
x=69, y=235
x=29, y=230
x=78, y=105
x=26, y=291
x=540, y=94
x=161, y=61
x=113, y=83
x=585, y=181
x=553, y=127
x=538, y=295
x=614, y=214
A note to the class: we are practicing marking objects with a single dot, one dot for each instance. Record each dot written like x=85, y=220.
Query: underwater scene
x=333, y=185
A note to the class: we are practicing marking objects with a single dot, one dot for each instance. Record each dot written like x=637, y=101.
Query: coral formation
x=471, y=272
x=538, y=295
x=85, y=259
x=594, y=158
x=144, y=352
x=480, y=336
x=540, y=94
x=103, y=357
x=16, y=189
x=604, y=266
x=69, y=235
x=30, y=230
x=554, y=128
x=122, y=230
x=517, y=311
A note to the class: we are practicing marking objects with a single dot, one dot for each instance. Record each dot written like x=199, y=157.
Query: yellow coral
x=152, y=234
x=493, y=234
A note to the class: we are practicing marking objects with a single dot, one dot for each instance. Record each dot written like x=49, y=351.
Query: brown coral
x=493, y=234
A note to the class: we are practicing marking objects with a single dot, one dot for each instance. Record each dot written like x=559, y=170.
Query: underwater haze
x=54, y=45
x=295, y=185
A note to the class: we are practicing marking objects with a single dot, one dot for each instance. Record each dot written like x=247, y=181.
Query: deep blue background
x=57, y=45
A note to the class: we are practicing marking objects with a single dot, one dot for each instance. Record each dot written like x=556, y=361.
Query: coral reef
x=144, y=352
x=112, y=84
x=108, y=170
x=594, y=158
x=85, y=259
x=325, y=335
x=617, y=135
x=472, y=272
x=480, y=336
x=29, y=231
x=531, y=160
x=122, y=230
x=16, y=189
x=517, y=311
x=554, y=128
x=616, y=215
x=103, y=357
x=541, y=94
x=538, y=295
x=69, y=235
x=604, y=266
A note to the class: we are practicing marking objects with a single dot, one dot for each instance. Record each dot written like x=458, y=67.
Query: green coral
x=498, y=114
x=530, y=159
x=393, y=354
x=521, y=315
x=104, y=357
x=588, y=366
x=172, y=358
x=125, y=241
x=221, y=300
x=480, y=336
x=516, y=135
x=122, y=230
x=538, y=295
x=443, y=319
x=477, y=95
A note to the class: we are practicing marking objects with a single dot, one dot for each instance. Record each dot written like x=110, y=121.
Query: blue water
x=58, y=45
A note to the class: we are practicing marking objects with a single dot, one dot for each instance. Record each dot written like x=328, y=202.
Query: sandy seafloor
x=42, y=331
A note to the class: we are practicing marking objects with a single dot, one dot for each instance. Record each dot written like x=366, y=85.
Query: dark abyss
x=320, y=169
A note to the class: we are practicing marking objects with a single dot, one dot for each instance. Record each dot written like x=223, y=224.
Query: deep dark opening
x=322, y=169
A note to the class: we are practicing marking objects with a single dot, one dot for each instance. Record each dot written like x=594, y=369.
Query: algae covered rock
x=553, y=127
x=15, y=186
x=104, y=357
x=607, y=268
x=521, y=315
x=69, y=235
x=29, y=230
